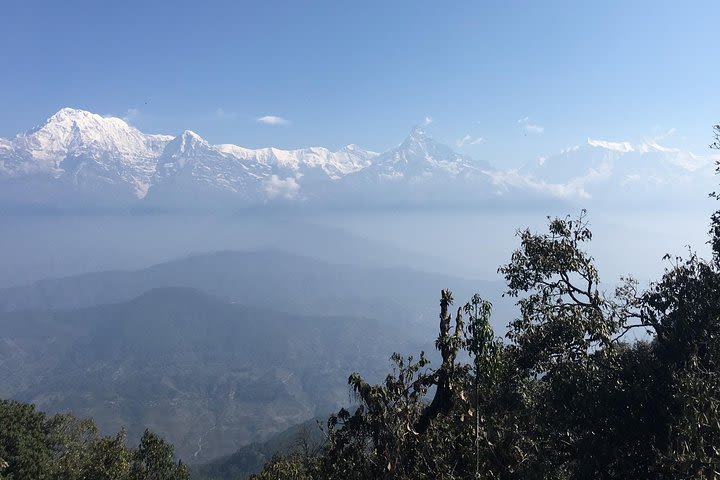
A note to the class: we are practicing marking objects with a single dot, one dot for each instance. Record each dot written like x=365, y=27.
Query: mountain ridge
x=82, y=159
x=208, y=374
x=83, y=152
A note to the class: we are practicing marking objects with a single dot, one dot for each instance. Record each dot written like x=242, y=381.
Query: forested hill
x=268, y=279
x=207, y=375
x=37, y=446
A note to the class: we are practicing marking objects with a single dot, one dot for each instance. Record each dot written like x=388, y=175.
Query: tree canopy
x=587, y=384
x=35, y=446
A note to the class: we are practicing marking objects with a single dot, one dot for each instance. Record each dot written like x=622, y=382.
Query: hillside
x=267, y=279
x=207, y=375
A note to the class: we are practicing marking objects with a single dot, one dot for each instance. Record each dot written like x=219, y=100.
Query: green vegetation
x=590, y=384
x=207, y=375
x=34, y=446
x=301, y=439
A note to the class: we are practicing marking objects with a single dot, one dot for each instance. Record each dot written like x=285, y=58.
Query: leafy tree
x=71, y=439
x=290, y=467
x=715, y=218
x=24, y=443
x=34, y=446
x=153, y=460
x=109, y=458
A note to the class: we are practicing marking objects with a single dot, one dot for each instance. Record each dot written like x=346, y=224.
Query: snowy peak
x=190, y=136
x=90, y=152
x=612, y=171
x=71, y=131
x=183, y=151
x=72, y=115
x=187, y=143
x=93, y=155
x=418, y=133
x=420, y=156
x=333, y=164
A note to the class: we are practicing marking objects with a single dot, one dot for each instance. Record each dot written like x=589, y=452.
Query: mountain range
x=217, y=350
x=78, y=158
x=207, y=374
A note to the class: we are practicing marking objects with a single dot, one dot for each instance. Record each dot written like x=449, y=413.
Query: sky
x=502, y=81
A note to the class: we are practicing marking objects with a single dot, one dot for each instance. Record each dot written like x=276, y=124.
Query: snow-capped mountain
x=418, y=172
x=190, y=170
x=79, y=152
x=77, y=158
x=419, y=157
x=618, y=172
x=92, y=156
x=334, y=165
x=86, y=150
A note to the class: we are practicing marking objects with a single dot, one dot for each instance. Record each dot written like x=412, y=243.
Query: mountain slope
x=78, y=156
x=85, y=151
x=251, y=458
x=420, y=157
x=208, y=375
x=77, y=159
x=264, y=279
x=611, y=173
x=81, y=154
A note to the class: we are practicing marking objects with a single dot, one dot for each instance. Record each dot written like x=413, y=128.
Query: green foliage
x=194, y=357
x=299, y=441
x=153, y=460
x=34, y=446
x=569, y=396
x=110, y=458
x=563, y=316
x=715, y=218
x=290, y=467
x=24, y=441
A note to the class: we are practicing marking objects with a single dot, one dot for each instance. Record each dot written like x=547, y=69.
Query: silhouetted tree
x=153, y=460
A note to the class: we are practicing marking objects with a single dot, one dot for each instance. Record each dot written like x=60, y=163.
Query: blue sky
x=528, y=78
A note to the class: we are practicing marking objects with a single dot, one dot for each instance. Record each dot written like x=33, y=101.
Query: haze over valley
x=246, y=238
x=261, y=304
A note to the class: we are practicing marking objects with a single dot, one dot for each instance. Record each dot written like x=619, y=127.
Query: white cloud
x=273, y=120
x=530, y=127
x=637, y=179
x=283, y=188
x=576, y=187
x=513, y=178
x=131, y=115
x=468, y=140
x=221, y=113
x=427, y=121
